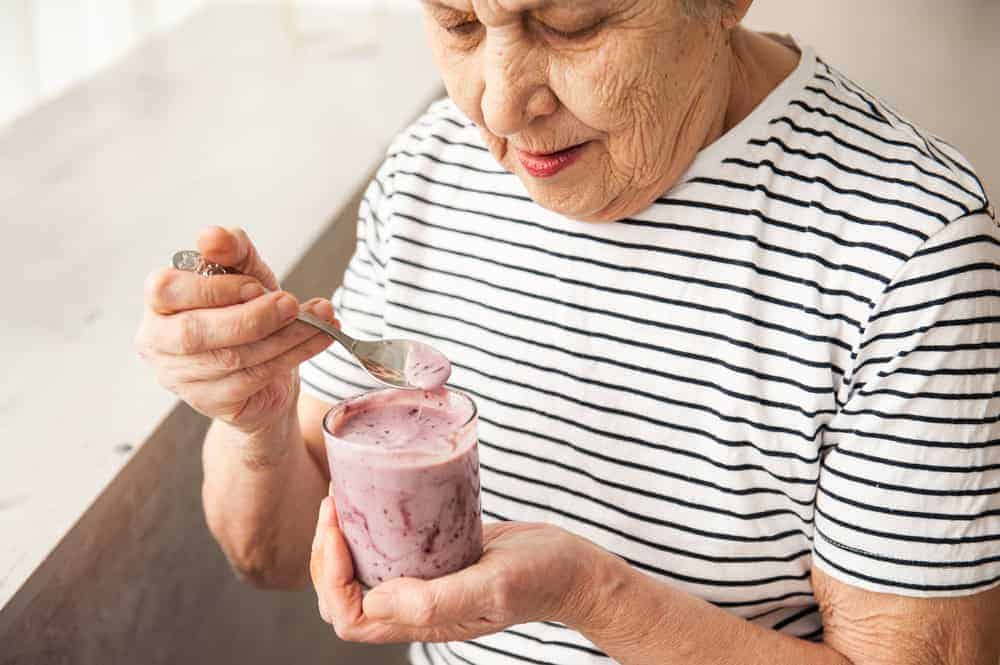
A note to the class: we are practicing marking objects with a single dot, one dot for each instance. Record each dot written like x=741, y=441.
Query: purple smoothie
x=405, y=469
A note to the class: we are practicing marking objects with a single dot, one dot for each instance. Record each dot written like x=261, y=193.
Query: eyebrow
x=521, y=5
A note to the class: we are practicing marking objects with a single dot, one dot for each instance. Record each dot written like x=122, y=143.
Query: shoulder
x=856, y=152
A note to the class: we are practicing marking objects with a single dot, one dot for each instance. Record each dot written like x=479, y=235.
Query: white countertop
x=241, y=115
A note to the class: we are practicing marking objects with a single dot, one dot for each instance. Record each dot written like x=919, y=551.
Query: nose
x=516, y=90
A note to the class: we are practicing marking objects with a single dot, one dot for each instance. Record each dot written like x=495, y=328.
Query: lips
x=546, y=165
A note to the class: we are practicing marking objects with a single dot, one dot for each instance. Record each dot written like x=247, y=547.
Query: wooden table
x=239, y=116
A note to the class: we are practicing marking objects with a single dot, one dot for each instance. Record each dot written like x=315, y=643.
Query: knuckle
x=227, y=358
x=424, y=612
x=188, y=334
x=345, y=630
x=502, y=594
x=158, y=283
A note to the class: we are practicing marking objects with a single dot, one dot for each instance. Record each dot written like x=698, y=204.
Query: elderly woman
x=733, y=326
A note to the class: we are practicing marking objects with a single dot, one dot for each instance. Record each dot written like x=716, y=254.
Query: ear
x=733, y=13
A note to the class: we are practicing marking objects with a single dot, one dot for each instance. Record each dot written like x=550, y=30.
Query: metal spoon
x=398, y=363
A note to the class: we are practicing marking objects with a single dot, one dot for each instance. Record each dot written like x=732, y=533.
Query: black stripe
x=569, y=645
x=980, y=293
x=347, y=308
x=814, y=636
x=648, y=444
x=466, y=188
x=858, y=128
x=840, y=190
x=705, y=581
x=438, y=137
x=968, y=371
x=921, y=418
x=605, y=360
x=840, y=102
x=742, y=264
x=446, y=648
x=923, y=279
x=965, y=445
x=843, y=86
x=511, y=654
x=909, y=585
x=936, y=468
x=943, y=323
x=746, y=237
x=772, y=221
x=630, y=342
x=619, y=315
x=729, y=443
x=907, y=562
x=359, y=386
x=629, y=464
x=653, y=520
x=438, y=160
x=899, y=512
x=882, y=485
x=907, y=537
x=853, y=171
x=694, y=406
x=663, y=225
x=761, y=601
x=927, y=348
x=934, y=141
x=798, y=306
x=956, y=243
x=792, y=618
x=874, y=155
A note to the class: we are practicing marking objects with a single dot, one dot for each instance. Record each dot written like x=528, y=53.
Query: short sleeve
x=908, y=498
x=360, y=300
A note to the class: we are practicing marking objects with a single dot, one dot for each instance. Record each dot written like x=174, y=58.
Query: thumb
x=233, y=247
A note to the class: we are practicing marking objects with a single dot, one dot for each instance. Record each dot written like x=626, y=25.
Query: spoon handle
x=192, y=261
x=330, y=330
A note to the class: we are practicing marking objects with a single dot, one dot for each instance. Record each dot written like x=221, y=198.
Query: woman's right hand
x=223, y=344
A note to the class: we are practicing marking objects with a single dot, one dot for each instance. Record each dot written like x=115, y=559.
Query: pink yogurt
x=405, y=469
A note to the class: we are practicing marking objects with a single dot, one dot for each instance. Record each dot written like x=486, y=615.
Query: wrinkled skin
x=645, y=84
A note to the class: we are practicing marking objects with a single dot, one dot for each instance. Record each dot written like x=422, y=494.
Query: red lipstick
x=549, y=164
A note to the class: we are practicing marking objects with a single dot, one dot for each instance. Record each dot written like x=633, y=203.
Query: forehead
x=512, y=6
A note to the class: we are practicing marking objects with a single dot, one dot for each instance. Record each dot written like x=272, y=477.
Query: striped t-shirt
x=790, y=359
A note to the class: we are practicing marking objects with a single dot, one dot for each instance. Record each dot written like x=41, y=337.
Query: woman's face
x=598, y=106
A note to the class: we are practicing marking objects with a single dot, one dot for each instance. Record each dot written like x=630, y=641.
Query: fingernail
x=251, y=290
x=379, y=605
x=287, y=307
x=323, y=310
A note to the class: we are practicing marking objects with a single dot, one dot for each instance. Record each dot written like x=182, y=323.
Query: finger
x=199, y=330
x=211, y=365
x=334, y=576
x=459, y=598
x=220, y=396
x=232, y=247
x=169, y=291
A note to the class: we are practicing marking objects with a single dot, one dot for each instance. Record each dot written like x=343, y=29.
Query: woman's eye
x=570, y=35
x=464, y=28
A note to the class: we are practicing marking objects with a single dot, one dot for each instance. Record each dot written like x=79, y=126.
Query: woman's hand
x=224, y=344
x=528, y=572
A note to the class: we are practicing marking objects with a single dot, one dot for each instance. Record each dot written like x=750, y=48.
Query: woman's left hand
x=528, y=572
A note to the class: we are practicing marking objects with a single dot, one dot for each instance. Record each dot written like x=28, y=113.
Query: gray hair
x=704, y=9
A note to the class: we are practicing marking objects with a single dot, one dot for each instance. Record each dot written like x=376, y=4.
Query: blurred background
x=126, y=126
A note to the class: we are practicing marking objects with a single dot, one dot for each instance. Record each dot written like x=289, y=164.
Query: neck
x=757, y=65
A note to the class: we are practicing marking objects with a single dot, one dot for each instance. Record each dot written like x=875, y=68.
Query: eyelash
x=463, y=29
x=467, y=28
